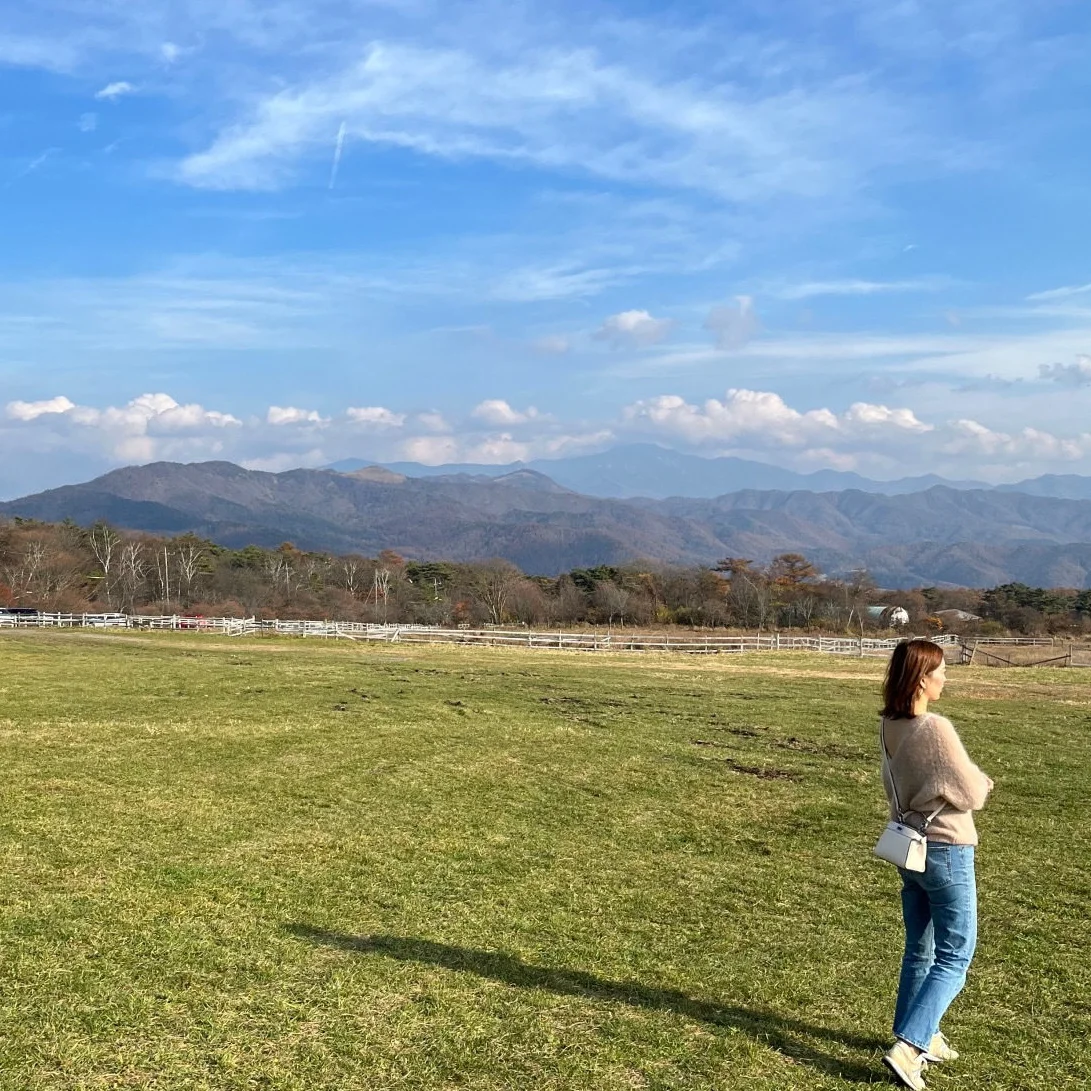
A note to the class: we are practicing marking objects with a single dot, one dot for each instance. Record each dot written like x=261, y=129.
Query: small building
x=947, y=616
x=888, y=616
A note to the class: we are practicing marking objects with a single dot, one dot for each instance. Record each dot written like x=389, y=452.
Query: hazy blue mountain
x=644, y=469
x=1062, y=486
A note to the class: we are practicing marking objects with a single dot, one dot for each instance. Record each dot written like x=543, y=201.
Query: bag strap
x=894, y=787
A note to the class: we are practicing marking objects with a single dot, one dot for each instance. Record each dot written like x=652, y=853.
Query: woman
x=926, y=768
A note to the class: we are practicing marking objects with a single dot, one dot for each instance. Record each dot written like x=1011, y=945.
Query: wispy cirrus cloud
x=34, y=164
x=570, y=110
x=857, y=287
x=52, y=52
x=1059, y=293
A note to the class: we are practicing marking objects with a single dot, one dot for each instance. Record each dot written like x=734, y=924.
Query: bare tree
x=612, y=600
x=380, y=586
x=568, y=604
x=21, y=572
x=163, y=573
x=281, y=572
x=350, y=571
x=315, y=568
x=189, y=558
x=856, y=590
x=493, y=583
x=132, y=572
x=105, y=545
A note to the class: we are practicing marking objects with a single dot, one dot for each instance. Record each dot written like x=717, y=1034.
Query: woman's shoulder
x=941, y=732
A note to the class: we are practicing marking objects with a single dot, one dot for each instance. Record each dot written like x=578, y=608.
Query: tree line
x=68, y=568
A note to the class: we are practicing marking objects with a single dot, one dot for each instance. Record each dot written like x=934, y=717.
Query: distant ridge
x=377, y=473
x=646, y=470
x=941, y=535
x=1062, y=486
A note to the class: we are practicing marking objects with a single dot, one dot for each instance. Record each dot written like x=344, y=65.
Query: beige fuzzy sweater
x=930, y=766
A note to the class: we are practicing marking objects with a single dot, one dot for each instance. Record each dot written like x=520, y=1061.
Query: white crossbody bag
x=902, y=844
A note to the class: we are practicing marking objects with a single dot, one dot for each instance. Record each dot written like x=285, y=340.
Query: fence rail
x=354, y=630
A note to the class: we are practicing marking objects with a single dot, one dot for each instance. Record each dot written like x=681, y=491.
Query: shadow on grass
x=787, y=1036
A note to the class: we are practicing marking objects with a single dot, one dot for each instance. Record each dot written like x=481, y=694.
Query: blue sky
x=848, y=233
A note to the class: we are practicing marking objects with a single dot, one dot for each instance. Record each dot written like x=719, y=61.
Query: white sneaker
x=907, y=1063
x=939, y=1049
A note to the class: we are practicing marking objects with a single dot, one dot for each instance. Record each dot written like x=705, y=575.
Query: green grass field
x=279, y=864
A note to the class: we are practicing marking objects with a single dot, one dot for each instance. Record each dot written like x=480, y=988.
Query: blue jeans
x=939, y=907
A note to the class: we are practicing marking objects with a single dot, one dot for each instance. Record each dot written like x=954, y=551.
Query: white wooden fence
x=352, y=630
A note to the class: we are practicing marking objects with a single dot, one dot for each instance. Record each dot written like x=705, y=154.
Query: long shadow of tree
x=787, y=1036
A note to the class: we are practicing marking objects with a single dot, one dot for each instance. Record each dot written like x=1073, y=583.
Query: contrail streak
x=337, y=154
x=31, y=167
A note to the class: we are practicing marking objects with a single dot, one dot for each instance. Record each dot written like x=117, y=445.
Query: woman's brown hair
x=911, y=661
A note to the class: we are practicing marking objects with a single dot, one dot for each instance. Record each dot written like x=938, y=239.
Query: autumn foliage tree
x=102, y=568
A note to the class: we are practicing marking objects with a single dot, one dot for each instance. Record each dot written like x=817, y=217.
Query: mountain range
x=936, y=535
x=644, y=469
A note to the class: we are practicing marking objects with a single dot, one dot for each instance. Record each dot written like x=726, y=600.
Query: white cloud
x=734, y=324
x=743, y=413
x=498, y=412
x=156, y=426
x=151, y=413
x=763, y=420
x=568, y=108
x=633, y=329
x=1077, y=374
x=863, y=413
x=1059, y=293
x=113, y=91
x=433, y=421
x=277, y=415
x=33, y=165
x=32, y=410
x=375, y=416
x=45, y=51
x=88, y=122
x=815, y=288
x=878, y=440
x=489, y=450
x=286, y=460
x=432, y=450
x=150, y=426
x=969, y=437
x=138, y=414
x=553, y=345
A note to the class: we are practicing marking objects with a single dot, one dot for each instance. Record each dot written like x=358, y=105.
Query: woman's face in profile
x=934, y=682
